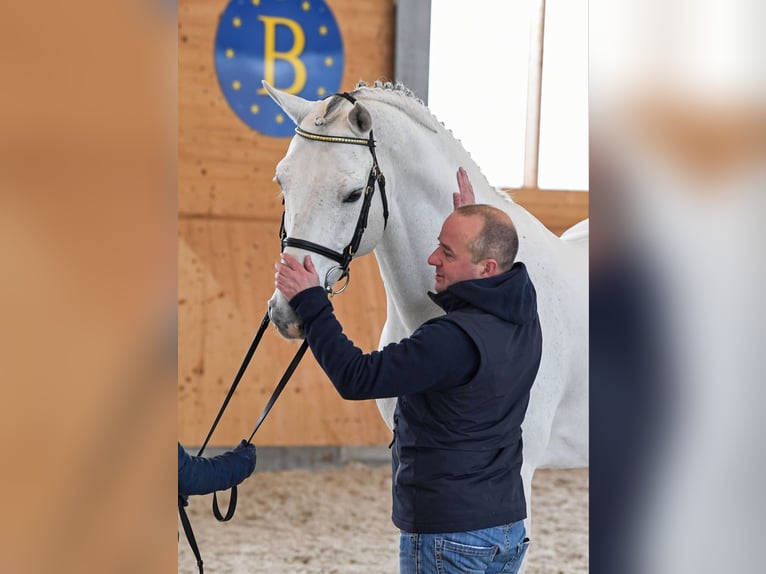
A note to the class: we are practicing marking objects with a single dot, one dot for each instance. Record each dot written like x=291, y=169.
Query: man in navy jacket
x=462, y=382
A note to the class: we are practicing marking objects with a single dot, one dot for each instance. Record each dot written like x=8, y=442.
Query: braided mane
x=413, y=106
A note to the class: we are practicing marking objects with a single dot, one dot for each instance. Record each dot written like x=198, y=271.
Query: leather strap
x=314, y=247
x=280, y=386
x=273, y=399
x=186, y=523
x=190, y=534
x=237, y=378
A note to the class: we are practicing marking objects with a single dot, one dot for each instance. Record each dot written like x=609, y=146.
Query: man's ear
x=490, y=268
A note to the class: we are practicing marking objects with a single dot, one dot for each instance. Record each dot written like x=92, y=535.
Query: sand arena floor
x=338, y=521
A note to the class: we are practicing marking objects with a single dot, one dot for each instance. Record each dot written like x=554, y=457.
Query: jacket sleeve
x=439, y=355
x=200, y=475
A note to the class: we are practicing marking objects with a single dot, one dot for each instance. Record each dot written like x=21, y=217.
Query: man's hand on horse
x=291, y=277
x=465, y=196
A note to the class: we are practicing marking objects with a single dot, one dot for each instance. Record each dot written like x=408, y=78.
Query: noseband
x=343, y=258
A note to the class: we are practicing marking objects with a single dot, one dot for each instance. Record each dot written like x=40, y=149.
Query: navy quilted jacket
x=200, y=475
x=462, y=382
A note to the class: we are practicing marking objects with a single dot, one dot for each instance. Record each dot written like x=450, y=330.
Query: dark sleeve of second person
x=438, y=355
x=200, y=475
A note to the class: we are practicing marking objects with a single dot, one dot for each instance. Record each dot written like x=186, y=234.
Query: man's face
x=452, y=258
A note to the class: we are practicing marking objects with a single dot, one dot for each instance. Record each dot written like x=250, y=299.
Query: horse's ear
x=294, y=106
x=360, y=119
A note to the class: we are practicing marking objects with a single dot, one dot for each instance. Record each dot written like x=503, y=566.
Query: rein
x=186, y=523
x=344, y=260
x=376, y=176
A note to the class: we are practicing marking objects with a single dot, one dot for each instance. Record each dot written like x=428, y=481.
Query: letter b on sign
x=295, y=46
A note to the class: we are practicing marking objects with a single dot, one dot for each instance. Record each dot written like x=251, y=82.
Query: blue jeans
x=495, y=550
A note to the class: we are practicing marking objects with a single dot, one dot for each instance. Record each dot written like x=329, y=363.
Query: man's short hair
x=497, y=240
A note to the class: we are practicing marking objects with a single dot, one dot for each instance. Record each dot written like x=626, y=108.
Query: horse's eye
x=353, y=196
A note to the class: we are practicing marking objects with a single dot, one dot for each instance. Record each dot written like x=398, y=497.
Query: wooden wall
x=558, y=210
x=229, y=212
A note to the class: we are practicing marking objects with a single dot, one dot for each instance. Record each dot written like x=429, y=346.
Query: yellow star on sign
x=328, y=61
x=236, y=84
x=321, y=91
x=306, y=6
x=254, y=108
x=237, y=22
x=323, y=30
x=280, y=118
x=256, y=2
x=229, y=53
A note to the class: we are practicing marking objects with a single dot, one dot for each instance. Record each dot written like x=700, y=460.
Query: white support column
x=534, y=93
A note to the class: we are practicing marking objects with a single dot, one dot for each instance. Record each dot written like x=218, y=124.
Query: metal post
x=413, y=45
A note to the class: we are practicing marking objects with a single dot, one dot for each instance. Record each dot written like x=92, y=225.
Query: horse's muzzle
x=284, y=318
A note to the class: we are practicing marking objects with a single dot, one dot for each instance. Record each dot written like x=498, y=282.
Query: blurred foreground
x=678, y=175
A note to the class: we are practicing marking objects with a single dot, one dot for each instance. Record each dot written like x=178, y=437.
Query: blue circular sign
x=295, y=45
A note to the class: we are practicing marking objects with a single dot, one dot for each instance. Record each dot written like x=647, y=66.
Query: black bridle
x=343, y=258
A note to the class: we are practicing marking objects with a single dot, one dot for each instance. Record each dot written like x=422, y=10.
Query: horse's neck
x=420, y=167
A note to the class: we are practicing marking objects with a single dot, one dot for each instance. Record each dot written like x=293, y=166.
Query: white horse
x=321, y=180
